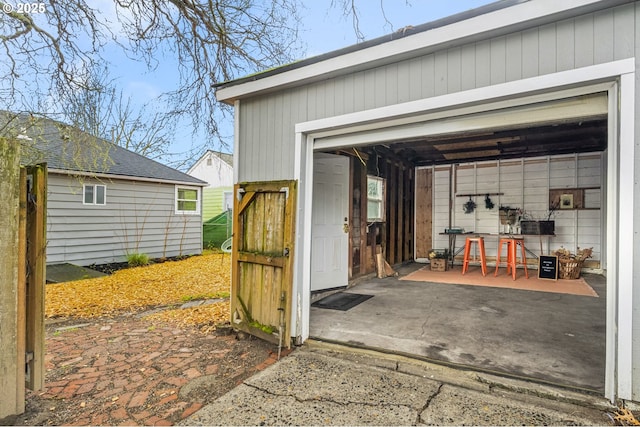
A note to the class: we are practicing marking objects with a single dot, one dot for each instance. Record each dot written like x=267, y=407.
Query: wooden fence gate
x=22, y=281
x=32, y=273
x=262, y=259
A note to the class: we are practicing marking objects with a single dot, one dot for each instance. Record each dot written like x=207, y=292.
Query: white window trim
x=95, y=193
x=226, y=194
x=198, y=201
x=382, y=198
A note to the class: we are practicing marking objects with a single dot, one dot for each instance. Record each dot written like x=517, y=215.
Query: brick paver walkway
x=129, y=372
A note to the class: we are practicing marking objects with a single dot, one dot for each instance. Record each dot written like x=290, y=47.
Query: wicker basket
x=569, y=268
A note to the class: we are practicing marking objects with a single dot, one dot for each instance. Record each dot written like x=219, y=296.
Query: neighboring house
x=216, y=169
x=377, y=147
x=105, y=202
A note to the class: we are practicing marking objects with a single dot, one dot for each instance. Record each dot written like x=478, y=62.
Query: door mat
x=503, y=280
x=342, y=301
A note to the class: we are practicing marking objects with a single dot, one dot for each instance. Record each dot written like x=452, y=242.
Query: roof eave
x=126, y=177
x=492, y=20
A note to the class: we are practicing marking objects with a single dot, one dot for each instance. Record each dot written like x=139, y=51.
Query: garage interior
x=552, y=338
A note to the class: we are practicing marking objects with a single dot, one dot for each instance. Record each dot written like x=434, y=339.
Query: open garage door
x=530, y=148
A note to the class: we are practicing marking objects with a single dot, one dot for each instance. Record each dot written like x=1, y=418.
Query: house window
x=94, y=194
x=375, y=199
x=187, y=200
x=227, y=200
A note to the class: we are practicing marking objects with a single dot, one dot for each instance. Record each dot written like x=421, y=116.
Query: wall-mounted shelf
x=479, y=194
x=563, y=199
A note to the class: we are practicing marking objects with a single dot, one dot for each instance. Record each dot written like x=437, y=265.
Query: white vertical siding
x=523, y=184
x=427, y=80
x=530, y=53
x=515, y=52
x=440, y=206
x=536, y=184
x=498, y=58
x=463, y=184
x=586, y=40
x=139, y=217
x=487, y=181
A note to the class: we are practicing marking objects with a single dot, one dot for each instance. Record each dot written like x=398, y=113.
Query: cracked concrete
x=321, y=384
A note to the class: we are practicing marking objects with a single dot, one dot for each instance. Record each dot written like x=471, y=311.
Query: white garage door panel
x=594, y=105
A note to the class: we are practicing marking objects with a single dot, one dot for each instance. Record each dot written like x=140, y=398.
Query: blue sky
x=323, y=29
x=326, y=30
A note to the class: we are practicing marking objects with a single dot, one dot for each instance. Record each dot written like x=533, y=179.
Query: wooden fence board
x=36, y=244
x=21, y=336
x=424, y=221
x=11, y=376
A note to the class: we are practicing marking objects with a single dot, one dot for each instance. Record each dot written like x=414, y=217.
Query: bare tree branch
x=211, y=40
x=100, y=109
x=351, y=10
x=45, y=48
x=48, y=51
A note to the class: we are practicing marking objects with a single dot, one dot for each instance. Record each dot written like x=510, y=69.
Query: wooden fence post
x=36, y=261
x=21, y=338
x=10, y=361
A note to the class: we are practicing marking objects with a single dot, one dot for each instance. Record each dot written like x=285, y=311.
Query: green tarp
x=216, y=230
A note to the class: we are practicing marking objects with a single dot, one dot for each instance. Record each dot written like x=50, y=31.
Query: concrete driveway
x=320, y=384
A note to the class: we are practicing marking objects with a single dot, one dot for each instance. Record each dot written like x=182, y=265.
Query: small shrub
x=138, y=260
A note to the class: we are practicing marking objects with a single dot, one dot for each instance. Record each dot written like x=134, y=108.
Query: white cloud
x=108, y=15
x=141, y=92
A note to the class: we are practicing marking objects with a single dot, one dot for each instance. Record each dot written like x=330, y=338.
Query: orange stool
x=512, y=255
x=467, y=252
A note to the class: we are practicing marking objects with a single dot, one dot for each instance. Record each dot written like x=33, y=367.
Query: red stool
x=467, y=253
x=512, y=255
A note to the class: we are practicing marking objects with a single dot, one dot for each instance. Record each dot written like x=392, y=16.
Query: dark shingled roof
x=67, y=148
x=226, y=157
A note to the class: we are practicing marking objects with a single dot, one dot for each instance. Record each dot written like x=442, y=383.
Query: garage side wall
x=524, y=184
x=138, y=217
x=266, y=128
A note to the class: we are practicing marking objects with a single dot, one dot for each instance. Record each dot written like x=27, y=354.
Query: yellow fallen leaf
x=205, y=317
x=626, y=417
x=135, y=289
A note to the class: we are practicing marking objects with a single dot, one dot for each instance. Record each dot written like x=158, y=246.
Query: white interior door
x=330, y=213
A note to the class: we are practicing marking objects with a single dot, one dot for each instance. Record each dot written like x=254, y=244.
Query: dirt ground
x=129, y=371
